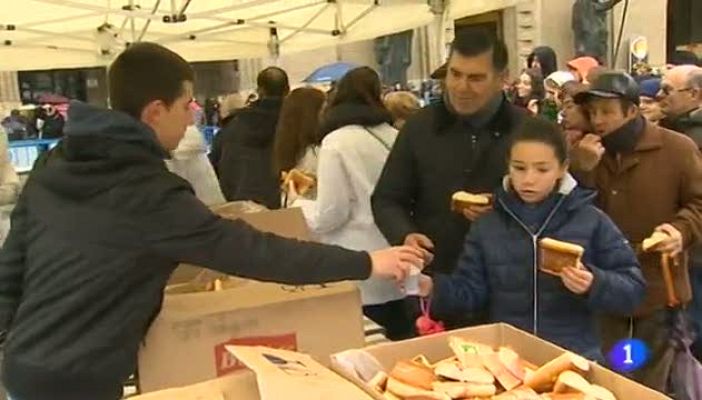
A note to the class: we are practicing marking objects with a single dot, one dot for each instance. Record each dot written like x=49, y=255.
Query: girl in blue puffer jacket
x=499, y=266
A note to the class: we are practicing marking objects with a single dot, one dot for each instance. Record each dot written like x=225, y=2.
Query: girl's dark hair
x=359, y=86
x=542, y=131
x=297, y=129
x=537, y=83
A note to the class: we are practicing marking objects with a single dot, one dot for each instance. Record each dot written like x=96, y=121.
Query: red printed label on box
x=226, y=362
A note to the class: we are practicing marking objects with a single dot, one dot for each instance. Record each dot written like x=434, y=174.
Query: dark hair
x=146, y=72
x=359, y=86
x=537, y=84
x=273, y=82
x=298, y=126
x=540, y=130
x=471, y=42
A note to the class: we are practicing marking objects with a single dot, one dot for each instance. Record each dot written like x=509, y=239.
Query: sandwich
x=653, y=241
x=556, y=255
x=301, y=181
x=463, y=200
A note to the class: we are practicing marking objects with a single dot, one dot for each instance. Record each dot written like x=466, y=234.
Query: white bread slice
x=653, y=241
x=561, y=246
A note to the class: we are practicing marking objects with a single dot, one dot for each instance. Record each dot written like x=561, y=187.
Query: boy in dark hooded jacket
x=101, y=225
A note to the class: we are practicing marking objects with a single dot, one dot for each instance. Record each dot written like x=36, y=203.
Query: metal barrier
x=23, y=153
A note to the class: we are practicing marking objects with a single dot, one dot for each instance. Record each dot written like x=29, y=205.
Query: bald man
x=681, y=101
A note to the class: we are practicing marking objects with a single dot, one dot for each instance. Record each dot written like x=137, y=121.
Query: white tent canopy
x=46, y=34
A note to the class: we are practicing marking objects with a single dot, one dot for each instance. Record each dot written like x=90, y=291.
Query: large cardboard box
x=186, y=343
x=531, y=348
x=273, y=375
x=240, y=386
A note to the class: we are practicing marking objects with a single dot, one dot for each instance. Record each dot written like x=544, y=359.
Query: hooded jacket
x=242, y=154
x=583, y=65
x=547, y=60
x=499, y=268
x=97, y=231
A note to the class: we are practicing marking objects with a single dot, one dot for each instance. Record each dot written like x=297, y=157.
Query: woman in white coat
x=357, y=137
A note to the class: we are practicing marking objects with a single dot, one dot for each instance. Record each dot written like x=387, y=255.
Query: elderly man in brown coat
x=649, y=180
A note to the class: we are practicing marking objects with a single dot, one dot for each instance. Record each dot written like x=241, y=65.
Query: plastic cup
x=412, y=282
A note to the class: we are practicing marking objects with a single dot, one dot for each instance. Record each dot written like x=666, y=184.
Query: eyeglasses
x=666, y=90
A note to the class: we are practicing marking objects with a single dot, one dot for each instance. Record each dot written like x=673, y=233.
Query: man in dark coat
x=457, y=144
x=242, y=151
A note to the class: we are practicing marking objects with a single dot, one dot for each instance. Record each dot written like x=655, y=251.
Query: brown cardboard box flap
x=356, y=367
x=295, y=376
x=246, y=294
x=288, y=222
x=239, y=386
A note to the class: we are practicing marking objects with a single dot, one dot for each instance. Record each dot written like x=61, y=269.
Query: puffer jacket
x=499, y=269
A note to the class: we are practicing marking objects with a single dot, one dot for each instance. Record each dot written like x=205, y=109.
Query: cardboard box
x=239, y=386
x=531, y=348
x=274, y=374
x=186, y=343
x=289, y=223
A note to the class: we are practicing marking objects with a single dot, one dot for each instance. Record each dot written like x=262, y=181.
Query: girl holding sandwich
x=501, y=266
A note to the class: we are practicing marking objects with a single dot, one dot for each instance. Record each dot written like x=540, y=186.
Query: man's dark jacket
x=97, y=231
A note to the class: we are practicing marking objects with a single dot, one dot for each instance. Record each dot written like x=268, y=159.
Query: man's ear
x=151, y=112
x=633, y=111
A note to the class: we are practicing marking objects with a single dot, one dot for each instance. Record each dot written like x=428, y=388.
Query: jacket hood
x=560, y=78
x=547, y=59
x=99, y=145
x=259, y=121
x=583, y=65
x=352, y=114
x=85, y=120
x=575, y=196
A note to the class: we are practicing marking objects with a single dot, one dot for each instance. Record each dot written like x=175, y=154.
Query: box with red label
x=186, y=343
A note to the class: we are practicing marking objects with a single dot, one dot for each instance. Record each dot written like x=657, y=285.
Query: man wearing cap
x=649, y=179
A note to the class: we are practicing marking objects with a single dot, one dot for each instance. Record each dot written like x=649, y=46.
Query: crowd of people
x=586, y=155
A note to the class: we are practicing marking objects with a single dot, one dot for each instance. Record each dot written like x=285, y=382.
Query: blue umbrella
x=330, y=72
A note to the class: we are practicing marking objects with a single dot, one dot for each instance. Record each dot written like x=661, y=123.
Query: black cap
x=611, y=85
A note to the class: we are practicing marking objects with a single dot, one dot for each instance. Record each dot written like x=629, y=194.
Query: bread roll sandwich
x=405, y=391
x=451, y=370
x=493, y=364
x=463, y=200
x=556, y=255
x=653, y=241
x=546, y=376
x=462, y=390
x=301, y=181
x=520, y=393
x=413, y=374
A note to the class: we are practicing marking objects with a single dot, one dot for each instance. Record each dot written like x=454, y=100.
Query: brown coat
x=660, y=182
